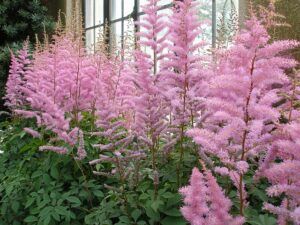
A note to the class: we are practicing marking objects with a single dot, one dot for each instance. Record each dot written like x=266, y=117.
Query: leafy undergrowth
x=48, y=188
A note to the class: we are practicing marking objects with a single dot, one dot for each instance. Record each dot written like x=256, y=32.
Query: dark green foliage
x=19, y=20
x=46, y=188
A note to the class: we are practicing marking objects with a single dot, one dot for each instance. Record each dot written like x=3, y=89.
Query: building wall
x=243, y=5
x=290, y=9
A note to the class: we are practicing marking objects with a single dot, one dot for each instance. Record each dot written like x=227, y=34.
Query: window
x=94, y=19
x=121, y=13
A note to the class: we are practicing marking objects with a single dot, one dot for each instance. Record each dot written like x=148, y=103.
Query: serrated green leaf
x=74, y=200
x=156, y=204
x=98, y=193
x=168, y=195
x=172, y=212
x=173, y=221
x=47, y=220
x=15, y=206
x=54, y=172
x=30, y=219
x=136, y=214
x=29, y=202
x=61, y=210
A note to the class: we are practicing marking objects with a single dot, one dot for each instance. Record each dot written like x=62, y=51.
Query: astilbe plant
x=183, y=76
x=281, y=165
x=205, y=202
x=149, y=122
x=57, y=89
x=112, y=111
x=20, y=63
x=148, y=101
x=240, y=102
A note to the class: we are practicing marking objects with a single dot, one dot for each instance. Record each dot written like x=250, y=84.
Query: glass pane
x=89, y=40
x=116, y=32
x=205, y=15
x=227, y=21
x=142, y=2
x=128, y=7
x=98, y=12
x=167, y=11
x=164, y=2
x=89, y=13
x=97, y=34
x=160, y=3
x=129, y=27
x=129, y=39
x=116, y=9
x=100, y=39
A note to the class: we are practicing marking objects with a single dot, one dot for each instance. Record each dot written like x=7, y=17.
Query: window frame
x=135, y=15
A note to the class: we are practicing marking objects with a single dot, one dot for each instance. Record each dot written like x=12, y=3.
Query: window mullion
x=106, y=14
x=94, y=23
x=214, y=23
x=122, y=26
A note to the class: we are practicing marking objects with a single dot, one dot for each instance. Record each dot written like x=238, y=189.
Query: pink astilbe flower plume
x=205, y=202
x=117, y=151
x=32, y=132
x=149, y=112
x=241, y=99
x=57, y=87
x=281, y=167
x=152, y=35
x=20, y=63
x=183, y=76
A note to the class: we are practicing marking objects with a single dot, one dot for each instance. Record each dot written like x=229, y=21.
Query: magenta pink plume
x=32, y=132
x=205, y=202
x=20, y=63
x=59, y=150
x=183, y=79
x=241, y=98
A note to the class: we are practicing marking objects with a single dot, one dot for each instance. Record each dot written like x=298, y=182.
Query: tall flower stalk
x=241, y=101
x=183, y=78
x=150, y=122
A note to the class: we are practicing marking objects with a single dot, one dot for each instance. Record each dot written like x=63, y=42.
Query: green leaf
x=46, y=211
x=30, y=219
x=260, y=194
x=152, y=214
x=124, y=220
x=15, y=206
x=46, y=178
x=156, y=204
x=29, y=202
x=143, y=196
x=172, y=212
x=168, y=195
x=61, y=210
x=173, y=221
x=98, y=193
x=263, y=220
x=136, y=214
x=55, y=216
x=54, y=172
x=176, y=200
x=47, y=220
x=74, y=200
